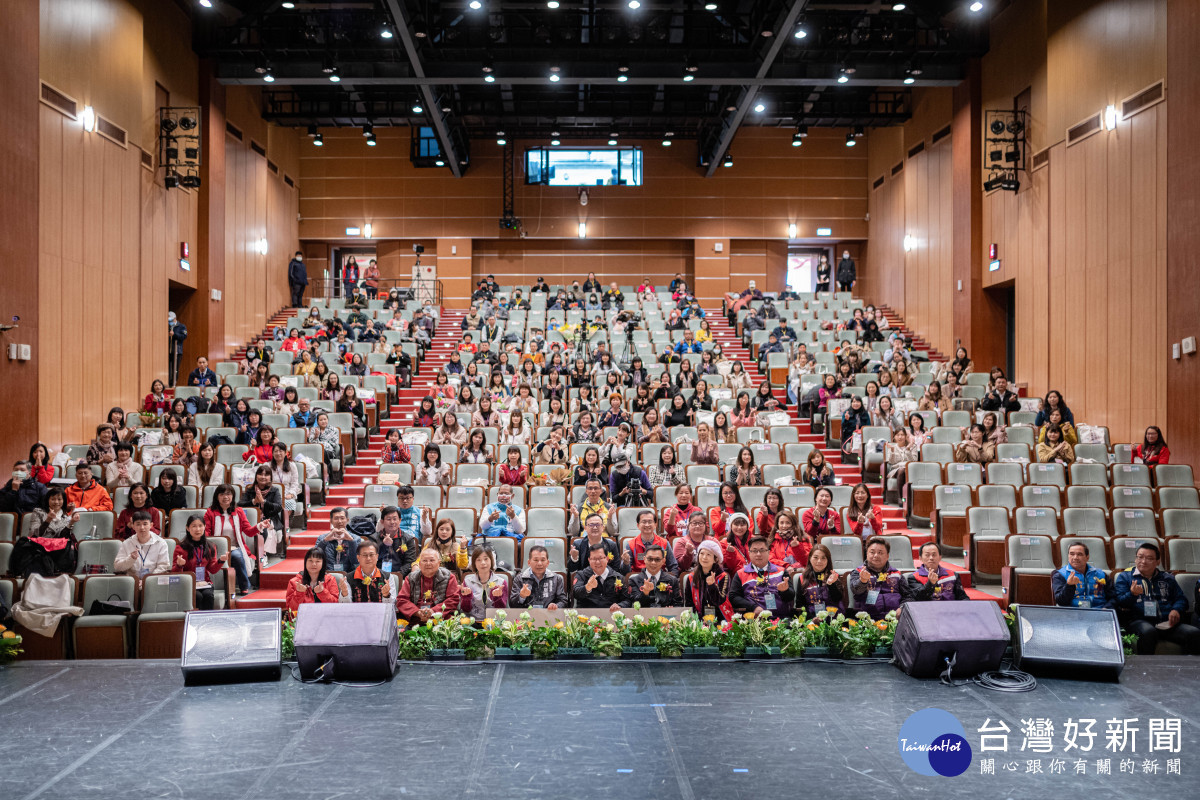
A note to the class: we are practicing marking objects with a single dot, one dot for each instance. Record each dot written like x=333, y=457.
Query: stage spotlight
x=850, y=140
x=187, y=123
x=318, y=141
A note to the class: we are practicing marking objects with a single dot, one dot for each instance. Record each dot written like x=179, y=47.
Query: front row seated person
x=144, y=553
x=1151, y=604
x=537, y=586
x=761, y=586
x=1078, y=583
x=503, y=518
x=932, y=581
x=313, y=585
x=653, y=586
x=428, y=590
x=368, y=584
x=597, y=585
x=877, y=586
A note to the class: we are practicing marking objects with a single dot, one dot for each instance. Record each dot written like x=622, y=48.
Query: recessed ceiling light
x=554, y=77
x=899, y=6
x=551, y=3
x=417, y=108
x=554, y=142
x=634, y=4
x=688, y=77
x=439, y=163
x=666, y=143
x=710, y=6
x=976, y=6
x=475, y=5
x=502, y=141
x=269, y=78
x=489, y=78
x=612, y=142
x=335, y=78
x=622, y=78
x=288, y=5
x=206, y=3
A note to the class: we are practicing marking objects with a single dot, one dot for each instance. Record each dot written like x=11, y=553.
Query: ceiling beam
x=433, y=107
x=951, y=78
x=731, y=124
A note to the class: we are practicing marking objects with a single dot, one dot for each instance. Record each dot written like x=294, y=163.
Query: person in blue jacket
x=1079, y=584
x=1147, y=597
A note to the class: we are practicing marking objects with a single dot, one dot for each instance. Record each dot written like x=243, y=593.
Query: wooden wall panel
x=771, y=184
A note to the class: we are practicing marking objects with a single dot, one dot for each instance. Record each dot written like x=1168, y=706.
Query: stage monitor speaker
x=971, y=631
x=360, y=638
x=231, y=646
x=1066, y=642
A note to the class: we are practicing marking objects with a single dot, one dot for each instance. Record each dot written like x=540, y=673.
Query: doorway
x=1004, y=299
x=341, y=257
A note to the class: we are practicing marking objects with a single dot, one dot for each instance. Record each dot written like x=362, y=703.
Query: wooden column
x=205, y=316
x=19, y=147
x=1182, y=425
x=454, y=265
x=978, y=322
x=712, y=271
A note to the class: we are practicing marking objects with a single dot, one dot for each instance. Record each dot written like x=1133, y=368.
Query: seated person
x=312, y=585
x=86, y=494
x=761, y=586
x=705, y=588
x=653, y=586
x=819, y=584
x=536, y=586
x=598, y=586
x=368, y=584
x=482, y=587
x=1147, y=597
x=594, y=534
x=54, y=521
x=398, y=549
x=1078, y=583
x=628, y=484
x=502, y=518
x=415, y=521
x=878, y=587
x=932, y=581
x=304, y=416
x=635, y=550
x=24, y=492
x=340, y=545
x=429, y=589
x=144, y=553
x=1000, y=398
x=124, y=471
x=196, y=556
x=593, y=503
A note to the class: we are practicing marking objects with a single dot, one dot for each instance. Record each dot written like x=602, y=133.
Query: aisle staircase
x=275, y=578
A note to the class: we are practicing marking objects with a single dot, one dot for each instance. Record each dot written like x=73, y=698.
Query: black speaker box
x=360, y=638
x=971, y=631
x=1066, y=642
x=231, y=646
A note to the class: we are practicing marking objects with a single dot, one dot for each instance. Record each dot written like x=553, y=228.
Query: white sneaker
x=262, y=561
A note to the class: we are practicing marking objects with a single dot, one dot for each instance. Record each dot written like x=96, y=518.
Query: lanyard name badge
x=142, y=555
x=873, y=594
x=1149, y=607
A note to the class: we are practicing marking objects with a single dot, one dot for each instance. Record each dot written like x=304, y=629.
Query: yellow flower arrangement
x=662, y=586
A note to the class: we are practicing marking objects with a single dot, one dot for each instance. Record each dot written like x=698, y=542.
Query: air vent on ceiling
x=288, y=180
x=942, y=134
x=896, y=170
x=919, y=147
x=258, y=148
x=110, y=130
x=147, y=160
x=59, y=101
x=1089, y=127
x=237, y=134
x=1150, y=96
x=1040, y=159
x=878, y=182
x=271, y=165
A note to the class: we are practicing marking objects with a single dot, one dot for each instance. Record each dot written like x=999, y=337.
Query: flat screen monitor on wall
x=612, y=166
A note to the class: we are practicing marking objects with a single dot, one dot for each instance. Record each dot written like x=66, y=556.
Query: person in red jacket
x=730, y=504
x=196, y=556
x=676, y=518
x=370, y=280
x=635, y=551
x=1153, y=449
x=87, y=493
x=428, y=590
x=312, y=585
x=764, y=517
x=40, y=467
x=264, y=445
x=790, y=546
x=157, y=401
x=821, y=520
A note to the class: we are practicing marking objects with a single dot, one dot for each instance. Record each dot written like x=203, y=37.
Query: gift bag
x=243, y=475
x=415, y=437
x=149, y=436
x=158, y=454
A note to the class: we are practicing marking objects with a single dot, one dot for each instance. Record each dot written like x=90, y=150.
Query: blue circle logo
x=933, y=742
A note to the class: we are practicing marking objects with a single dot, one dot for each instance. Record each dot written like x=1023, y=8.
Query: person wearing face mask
x=847, y=275
x=297, y=279
x=23, y=493
x=932, y=581
x=824, y=272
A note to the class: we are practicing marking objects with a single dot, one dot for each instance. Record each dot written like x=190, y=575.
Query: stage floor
x=620, y=730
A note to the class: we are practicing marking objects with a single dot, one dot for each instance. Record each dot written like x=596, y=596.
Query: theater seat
x=1026, y=577
x=166, y=599
x=104, y=635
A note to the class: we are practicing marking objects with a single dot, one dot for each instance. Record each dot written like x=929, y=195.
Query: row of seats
x=100, y=525
x=765, y=453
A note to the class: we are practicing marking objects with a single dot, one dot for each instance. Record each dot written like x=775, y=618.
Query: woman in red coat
x=790, y=546
x=157, y=401
x=312, y=585
x=821, y=520
x=264, y=444
x=512, y=471
x=675, y=518
x=40, y=466
x=1153, y=449
x=195, y=556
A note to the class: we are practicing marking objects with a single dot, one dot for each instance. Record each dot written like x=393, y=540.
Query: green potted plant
x=509, y=638
x=697, y=637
